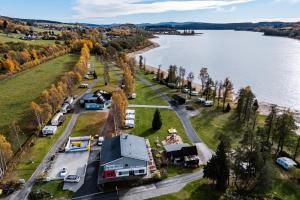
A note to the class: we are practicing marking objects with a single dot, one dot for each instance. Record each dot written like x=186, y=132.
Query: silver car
x=72, y=179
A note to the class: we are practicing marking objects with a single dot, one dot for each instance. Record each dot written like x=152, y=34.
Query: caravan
x=57, y=119
x=65, y=108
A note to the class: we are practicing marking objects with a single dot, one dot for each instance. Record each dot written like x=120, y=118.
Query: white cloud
x=288, y=1
x=111, y=8
x=226, y=10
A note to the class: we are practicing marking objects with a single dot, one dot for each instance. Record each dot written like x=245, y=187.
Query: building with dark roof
x=96, y=101
x=182, y=154
x=123, y=156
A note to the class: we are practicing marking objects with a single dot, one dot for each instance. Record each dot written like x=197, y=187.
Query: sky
x=153, y=11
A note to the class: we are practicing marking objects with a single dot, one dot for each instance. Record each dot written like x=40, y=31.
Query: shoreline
x=264, y=107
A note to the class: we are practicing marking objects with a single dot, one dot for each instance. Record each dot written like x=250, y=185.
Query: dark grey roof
x=175, y=147
x=111, y=150
x=125, y=145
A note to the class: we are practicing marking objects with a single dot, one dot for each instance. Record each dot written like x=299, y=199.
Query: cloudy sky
x=141, y=11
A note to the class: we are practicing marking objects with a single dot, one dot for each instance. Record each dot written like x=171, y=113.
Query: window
x=141, y=171
x=126, y=165
x=131, y=173
x=120, y=173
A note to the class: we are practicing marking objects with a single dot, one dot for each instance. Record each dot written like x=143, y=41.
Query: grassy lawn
x=13, y=37
x=286, y=189
x=89, y=124
x=17, y=92
x=143, y=125
x=33, y=156
x=146, y=96
x=114, y=79
x=196, y=190
x=54, y=188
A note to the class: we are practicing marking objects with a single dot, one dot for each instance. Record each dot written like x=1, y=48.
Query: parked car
x=189, y=108
x=64, y=172
x=208, y=103
x=100, y=141
x=201, y=100
x=72, y=179
x=194, y=93
x=286, y=162
x=185, y=90
x=84, y=85
x=132, y=96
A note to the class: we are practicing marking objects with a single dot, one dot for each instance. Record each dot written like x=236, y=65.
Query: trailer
x=49, y=130
x=65, y=108
x=56, y=120
x=69, y=100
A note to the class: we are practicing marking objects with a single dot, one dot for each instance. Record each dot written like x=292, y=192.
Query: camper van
x=69, y=100
x=65, y=108
x=49, y=130
x=57, y=119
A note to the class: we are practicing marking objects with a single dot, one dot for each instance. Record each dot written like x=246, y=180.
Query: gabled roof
x=125, y=145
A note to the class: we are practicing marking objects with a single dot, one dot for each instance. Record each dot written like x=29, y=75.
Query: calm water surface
x=270, y=65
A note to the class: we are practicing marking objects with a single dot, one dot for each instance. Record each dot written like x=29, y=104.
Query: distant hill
x=214, y=26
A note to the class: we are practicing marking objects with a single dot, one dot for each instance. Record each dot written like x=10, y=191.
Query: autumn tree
x=203, y=76
x=37, y=112
x=128, y=81
x=16, y=131
x=118, y=108
x=228, y=88
x=5, y=151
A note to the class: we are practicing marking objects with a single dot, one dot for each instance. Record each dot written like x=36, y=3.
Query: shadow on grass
x=205, y=192
x=147, y=132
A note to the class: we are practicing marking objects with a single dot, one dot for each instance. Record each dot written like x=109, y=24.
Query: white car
x=64, y=172
x=72, y=179
x=100, y=141
x=194, y=93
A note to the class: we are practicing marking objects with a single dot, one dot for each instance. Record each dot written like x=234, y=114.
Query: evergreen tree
x=156, y=123
x=217, y=168
x=228, y=108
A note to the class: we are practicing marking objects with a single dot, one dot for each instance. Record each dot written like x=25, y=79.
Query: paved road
x=167, y=186
x=26, y=188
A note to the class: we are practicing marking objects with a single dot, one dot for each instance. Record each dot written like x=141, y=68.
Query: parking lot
x=75, y=162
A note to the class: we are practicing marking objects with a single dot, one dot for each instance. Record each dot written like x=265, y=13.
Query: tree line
x=15, y=61
x=52, y=98
x=248, y=169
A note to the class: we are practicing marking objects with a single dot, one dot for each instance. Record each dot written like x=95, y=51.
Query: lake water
x=270, y=65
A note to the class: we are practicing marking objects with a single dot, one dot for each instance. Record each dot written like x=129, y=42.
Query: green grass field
x=18, y=91
x=89, y=124
x=143, y=125
x=33, y=156
x=146, y=96
x=13, y=37
x=54, y=188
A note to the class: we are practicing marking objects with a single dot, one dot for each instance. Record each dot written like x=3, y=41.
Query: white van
x=49, y=130
x=100, y=141
x=55, y=120
x=69, y=100
x=65, y=108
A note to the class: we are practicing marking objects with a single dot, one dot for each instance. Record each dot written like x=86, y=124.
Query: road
x=26, y=188
x=167, y=186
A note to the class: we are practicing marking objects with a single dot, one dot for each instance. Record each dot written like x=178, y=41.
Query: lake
x=270, y=65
